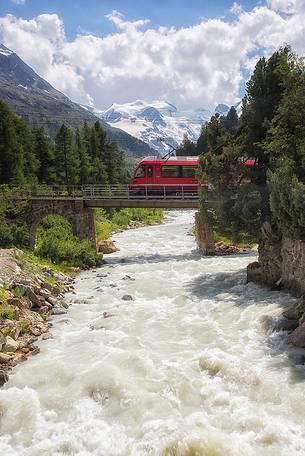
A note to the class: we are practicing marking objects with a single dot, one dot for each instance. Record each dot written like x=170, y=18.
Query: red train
x=173, y=174
x=155, y=175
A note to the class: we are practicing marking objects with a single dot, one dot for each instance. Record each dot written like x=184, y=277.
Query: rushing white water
x=191, y=366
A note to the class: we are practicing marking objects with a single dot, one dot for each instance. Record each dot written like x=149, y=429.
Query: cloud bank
x=193, y=66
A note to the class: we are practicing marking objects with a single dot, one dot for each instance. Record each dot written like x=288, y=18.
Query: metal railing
x=149, y=192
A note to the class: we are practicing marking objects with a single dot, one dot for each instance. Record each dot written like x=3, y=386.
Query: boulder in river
x=107, y=247
x=127, y=297
x=297, y=337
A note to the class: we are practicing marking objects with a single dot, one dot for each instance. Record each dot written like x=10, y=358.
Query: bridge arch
x=80, y=217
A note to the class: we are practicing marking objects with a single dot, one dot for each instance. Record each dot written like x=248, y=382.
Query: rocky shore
x=29, y=296
x=280, y=265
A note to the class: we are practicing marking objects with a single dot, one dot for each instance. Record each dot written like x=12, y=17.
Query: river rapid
x=191, y=366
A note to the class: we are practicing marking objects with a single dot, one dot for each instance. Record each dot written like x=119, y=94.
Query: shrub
x=113, y=220
x=57, y=243
x=7, y=311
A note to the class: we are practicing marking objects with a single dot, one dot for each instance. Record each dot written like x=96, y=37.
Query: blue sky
x=89, y=15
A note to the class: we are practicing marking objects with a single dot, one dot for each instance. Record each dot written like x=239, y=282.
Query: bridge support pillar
x=74, y=210
x=204, y=235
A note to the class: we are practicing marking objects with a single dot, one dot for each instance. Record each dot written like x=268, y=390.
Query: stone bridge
x=79, y=211
x=73, y=209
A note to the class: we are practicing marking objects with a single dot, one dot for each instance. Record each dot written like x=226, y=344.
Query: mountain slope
x=38, y=103
x=158, y=123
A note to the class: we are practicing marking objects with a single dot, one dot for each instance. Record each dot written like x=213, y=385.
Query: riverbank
x=29, y=294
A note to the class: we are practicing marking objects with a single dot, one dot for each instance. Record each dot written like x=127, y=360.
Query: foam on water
x=189, y=367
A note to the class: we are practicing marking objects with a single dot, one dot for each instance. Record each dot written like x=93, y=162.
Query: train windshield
x=140, y=172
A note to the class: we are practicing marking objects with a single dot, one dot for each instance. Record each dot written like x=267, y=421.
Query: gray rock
x=58, y=311
x=2, y=340
x=26, y=291
x=286, y=325
x=127, y=298
x=3, y=377
x=297, y=337
x=5, y=358
x=10, y=345
x=128, y=277
x=45, y=293
x=52, y=300
x=295, y=311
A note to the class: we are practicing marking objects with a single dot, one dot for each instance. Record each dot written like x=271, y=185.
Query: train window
x=170, y=171
x=149, y=171
x=140, y=172
x=188, y=171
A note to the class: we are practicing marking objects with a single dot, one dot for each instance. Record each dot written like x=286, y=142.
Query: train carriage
x=154, y=175
x=171, y=176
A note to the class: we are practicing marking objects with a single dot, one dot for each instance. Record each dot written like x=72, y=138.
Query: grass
x=24, y=328
x=6, y=331
x=35, y=264
x=242, y=242
x=113, y=220
x=7, y=312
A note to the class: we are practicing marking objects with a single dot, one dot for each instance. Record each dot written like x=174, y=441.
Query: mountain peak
x=222, y=109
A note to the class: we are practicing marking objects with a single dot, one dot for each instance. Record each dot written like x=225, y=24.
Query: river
x=190, y=367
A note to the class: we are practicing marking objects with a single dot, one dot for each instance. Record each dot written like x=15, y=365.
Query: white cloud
x=284, y=6
x=236, y=8
x=196, y=66
x=18, y=2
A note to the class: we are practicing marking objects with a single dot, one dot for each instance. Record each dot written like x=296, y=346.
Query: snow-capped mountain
x=158, y=123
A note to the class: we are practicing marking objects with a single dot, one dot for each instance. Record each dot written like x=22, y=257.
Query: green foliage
x=12, y=231
x=66, y=160
x=114, y=220
x=24, y=328
x=3, y=289
x=28, y=157
x=7, y=312
x=6, y=331
x=287, y=201
x=57, y=243
x=34, y=264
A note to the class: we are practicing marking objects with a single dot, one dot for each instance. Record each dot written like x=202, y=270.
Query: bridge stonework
x=73, y=209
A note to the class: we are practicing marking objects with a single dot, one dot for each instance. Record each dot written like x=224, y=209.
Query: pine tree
x=44, y=152
x=83, y=158
x=99, y=154
x=11, y=151
x=187, y=147
x=66, y=161
x=202, y=142
x=231, y=121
